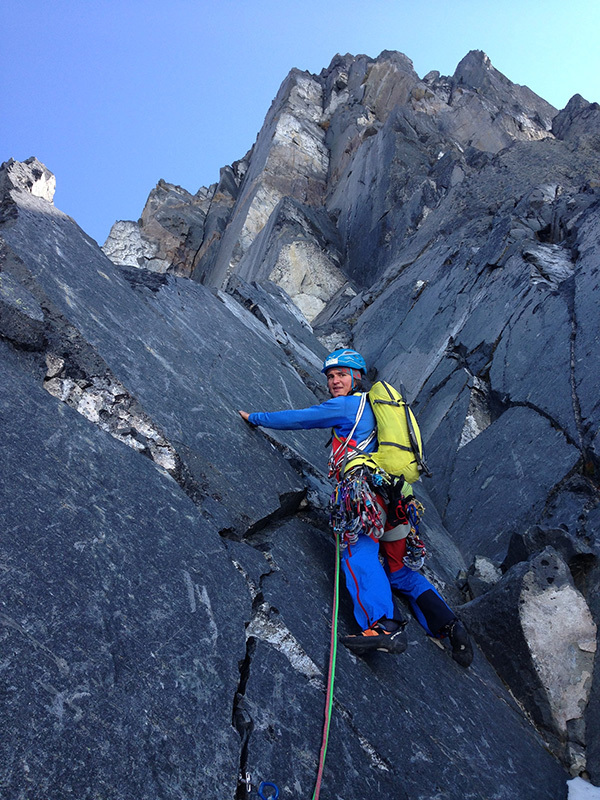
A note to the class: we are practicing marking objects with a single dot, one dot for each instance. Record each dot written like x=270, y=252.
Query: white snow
x=582, y=790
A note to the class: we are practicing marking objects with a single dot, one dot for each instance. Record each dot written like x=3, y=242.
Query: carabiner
x=264, y=785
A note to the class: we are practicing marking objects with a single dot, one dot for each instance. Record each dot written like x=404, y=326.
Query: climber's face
x=341, y=380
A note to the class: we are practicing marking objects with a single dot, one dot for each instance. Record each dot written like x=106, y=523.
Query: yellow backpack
x=400, y=449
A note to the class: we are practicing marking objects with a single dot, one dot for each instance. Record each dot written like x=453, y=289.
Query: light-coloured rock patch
x=561, y=635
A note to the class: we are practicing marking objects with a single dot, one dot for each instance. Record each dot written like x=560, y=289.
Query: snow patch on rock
x=126, y=247
x=582, y=790
x=561, y=636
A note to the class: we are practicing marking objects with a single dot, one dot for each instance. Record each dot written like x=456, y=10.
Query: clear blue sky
x=114, y=94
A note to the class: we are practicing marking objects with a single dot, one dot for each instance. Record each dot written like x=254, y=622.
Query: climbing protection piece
x=415, y=547
x=261, y=791
x=354, y=509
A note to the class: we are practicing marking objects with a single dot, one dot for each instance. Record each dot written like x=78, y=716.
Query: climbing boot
x=386, y=634
x=462, y=651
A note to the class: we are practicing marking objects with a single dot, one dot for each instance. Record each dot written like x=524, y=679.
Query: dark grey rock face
x=418, y=733
x=126, y=623
x=589, y=577
x=367, y=138
x=119, y=646
x=186, y=340
x=578, y=119
x=177, y=230
x=22, y=320
x=524, y=443
x=447, y=227
x=475, y=71
x=290, y=250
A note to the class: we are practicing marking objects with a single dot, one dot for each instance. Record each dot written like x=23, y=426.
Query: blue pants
x=367, y=582
x=370, y=587
x=426, y=602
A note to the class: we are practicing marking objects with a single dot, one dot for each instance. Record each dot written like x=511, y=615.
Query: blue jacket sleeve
x=332, y=413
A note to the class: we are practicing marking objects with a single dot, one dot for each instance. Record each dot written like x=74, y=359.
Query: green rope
x=332, y=659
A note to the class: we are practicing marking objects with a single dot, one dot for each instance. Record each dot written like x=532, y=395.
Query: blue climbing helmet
x=345, y=358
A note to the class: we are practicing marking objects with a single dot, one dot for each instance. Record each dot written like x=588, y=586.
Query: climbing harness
x=331, y=675
x=355, y=508
x=340, y=455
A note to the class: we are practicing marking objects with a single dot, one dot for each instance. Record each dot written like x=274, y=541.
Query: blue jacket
x=338, y=413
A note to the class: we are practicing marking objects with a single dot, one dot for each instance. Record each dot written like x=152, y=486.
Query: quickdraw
x=415, y=546
x=354, y=508
x=246, y=780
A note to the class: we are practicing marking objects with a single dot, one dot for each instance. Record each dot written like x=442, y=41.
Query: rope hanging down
x=330, y=677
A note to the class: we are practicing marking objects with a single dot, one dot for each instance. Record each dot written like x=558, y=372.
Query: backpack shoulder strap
x=413, y=436
x=346, y=445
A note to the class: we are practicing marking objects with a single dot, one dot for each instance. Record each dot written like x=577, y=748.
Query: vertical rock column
x=290, y=158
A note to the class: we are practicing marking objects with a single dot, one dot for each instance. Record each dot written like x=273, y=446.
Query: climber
x=367, y=580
